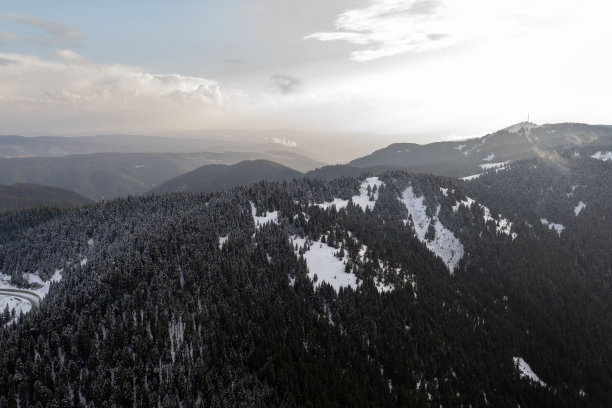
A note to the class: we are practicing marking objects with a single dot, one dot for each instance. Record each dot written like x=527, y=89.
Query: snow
x=271, y=216
x=223, y=240
x=444, y=191
x=338, y=203
x=527, y=126
x=91, y=243
x=83, y=262
x=44, y=285
x=488, y=166
x=460, y=147
x=525, y=371
x=502, y=225
x=581, y=206
x=362, y=200
x=444, y=243
x=551, y=225
x=489, y=157
x=21, y=303
x=321, y=261
x=472, y=177
x=603, y=156
x=17, y=304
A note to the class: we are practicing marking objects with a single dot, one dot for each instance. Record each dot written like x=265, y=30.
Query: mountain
x=23, y=195
x=217, y=177
x=393, y=290
x=465, y=158
x=108, y=175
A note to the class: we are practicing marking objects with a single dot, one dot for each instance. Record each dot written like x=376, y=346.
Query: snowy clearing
x=323, y=263
x=489, y=157
x=603, y=156
x=581, y=206
x=362, y=200
x=489, y=166
x=472, y=177
x=444, y=243
x=271, y=216
x=551, y=225
x=525, y=371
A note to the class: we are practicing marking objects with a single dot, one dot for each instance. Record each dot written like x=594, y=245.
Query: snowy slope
x=525, y=371
x=323, y=263
x=444, y=243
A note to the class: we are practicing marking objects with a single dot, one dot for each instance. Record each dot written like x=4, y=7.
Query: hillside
x=465, y=158
x=23, y=195
x=108, y=175
x=397, y=290
x=218, y=177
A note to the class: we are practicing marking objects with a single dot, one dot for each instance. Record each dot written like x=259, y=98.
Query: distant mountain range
x=24, y=195
x=109, y=175
x=465, y=158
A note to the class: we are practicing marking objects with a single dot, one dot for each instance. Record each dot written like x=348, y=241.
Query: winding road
x=31, y=297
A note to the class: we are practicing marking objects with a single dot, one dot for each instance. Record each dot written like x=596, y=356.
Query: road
x=31, y=297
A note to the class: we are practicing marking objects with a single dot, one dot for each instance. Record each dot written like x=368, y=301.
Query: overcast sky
x=414, y=70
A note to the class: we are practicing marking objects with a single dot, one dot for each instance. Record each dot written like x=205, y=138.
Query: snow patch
x=472, y=177
x=260, y=221
x=502, y=225
x=444, y=191
x=323, y=262
x=444, y=243
x=460, y=147
x=489, y=157
x=83, y=262
x=489, y=166
x=581, y=206
x=223, y=240
x=603, y=156
x=525, y=371
x=551, y=225
x=363, y=200
x=338, y=203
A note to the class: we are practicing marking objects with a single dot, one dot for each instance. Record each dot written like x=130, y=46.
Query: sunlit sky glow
x=411, y=70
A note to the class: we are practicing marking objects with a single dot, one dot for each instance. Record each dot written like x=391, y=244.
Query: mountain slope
x=397, y=290
x=23, y=195
x=469, y=157
x=219, y=176
x=108, y=175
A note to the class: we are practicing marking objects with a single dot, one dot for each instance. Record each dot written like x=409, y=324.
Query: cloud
x=74, y=92
x=6, y=61
x=389, y=27
x=283, y=141
x=52, y=32
x=285, y=84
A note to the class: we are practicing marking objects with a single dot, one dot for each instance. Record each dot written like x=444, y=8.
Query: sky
x=411, y=70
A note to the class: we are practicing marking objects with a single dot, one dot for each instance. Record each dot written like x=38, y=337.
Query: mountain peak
x=516, y=128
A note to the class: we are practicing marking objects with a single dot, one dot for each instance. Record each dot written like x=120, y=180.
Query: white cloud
x=283, y=141
x=392, y=27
